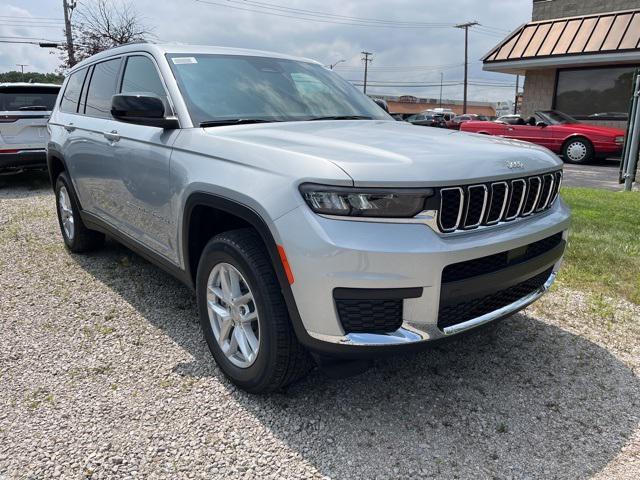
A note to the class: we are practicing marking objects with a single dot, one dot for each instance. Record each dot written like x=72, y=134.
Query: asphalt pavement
x=603, y=174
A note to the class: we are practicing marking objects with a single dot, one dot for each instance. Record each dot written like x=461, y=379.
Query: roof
x=599, y=37
x=164, y=48
x=27, y=84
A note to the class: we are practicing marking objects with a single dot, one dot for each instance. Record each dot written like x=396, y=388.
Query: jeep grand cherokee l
x=307, y=220
x=24, y=110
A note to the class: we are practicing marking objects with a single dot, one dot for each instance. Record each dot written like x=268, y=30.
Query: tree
x=35, y=77
x=104, y=24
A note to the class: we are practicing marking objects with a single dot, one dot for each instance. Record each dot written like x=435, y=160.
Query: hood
x=388, y=152
x=592, y=129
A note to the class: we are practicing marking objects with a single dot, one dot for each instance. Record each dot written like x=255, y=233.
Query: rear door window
x=28, y=98
x=71, y=96
x=101, y=88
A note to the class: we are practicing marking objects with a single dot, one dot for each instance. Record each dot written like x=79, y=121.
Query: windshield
x=553, y=117
x=27, y=98
x=236, y=87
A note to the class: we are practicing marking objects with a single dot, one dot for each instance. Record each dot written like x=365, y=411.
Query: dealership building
x=578, y=56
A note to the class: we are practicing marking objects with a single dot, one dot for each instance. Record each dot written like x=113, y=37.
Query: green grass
x=603, y=252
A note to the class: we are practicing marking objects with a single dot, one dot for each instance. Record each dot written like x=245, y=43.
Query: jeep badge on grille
x=512, y=165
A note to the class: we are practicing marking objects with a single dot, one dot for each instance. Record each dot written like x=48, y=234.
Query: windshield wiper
x=234, y=121
x=342, y=117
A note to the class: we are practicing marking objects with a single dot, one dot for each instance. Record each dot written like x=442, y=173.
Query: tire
x=578, y=150
x=77, y=237
x=279, y=359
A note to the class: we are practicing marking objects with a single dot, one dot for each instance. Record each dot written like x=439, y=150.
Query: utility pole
x=441, y=79
x=466, y=27
x=68, y=6
x=22, y=65
x=515, y=103
x=366, y=61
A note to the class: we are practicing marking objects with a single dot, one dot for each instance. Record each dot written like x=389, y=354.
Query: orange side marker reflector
x=285, y=264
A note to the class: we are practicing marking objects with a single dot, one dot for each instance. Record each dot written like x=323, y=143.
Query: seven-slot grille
x=472, y=206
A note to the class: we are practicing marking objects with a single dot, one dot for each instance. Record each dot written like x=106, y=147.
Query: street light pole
x=333, y=65
x=441, y=79
x=366, y=61
x=466, y=27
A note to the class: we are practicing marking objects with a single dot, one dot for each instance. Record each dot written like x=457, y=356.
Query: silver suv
x=24, y=110
x=310, y=223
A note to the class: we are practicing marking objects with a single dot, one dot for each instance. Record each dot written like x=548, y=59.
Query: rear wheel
x=578, y=150
x=77, y=237
x=243, y=314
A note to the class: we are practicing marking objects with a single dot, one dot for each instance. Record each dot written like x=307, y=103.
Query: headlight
x=619, y=140
x=365, y=202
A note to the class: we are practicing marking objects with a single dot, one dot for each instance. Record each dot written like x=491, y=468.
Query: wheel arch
x=200, y=212
x=55, y=165
x=576, y=136
x=249, y=217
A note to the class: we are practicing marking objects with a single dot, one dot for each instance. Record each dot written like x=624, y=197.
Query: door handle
x=69, y=127
x=112, y=136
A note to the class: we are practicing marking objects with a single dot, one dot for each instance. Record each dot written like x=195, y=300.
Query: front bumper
x=23, y=159
x=328, y=254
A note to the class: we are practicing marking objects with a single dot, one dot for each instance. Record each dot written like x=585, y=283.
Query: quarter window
x=69, y=102
x=101, y=88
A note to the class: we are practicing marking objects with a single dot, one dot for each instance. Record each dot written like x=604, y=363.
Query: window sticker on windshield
x=183, y=60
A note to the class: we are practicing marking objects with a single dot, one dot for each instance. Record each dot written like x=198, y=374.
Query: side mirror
x=382, y=104
x=141, y=109
x=541, y=124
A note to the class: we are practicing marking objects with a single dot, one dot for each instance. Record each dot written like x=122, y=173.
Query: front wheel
x=578, y=150
x=243, y=314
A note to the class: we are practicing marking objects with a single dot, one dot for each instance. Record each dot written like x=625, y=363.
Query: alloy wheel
x=233, y=315
x=66, y=212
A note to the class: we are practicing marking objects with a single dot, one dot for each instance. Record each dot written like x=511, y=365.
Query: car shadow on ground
x=523, y=400
x=24, y=184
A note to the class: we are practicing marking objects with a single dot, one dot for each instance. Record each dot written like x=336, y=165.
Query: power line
x=400, y=68
x=29, y=25
x=307, y=12
x=48, y=19
x=321, y=18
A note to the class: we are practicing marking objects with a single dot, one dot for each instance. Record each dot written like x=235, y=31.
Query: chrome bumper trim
x=501, y=312
x=408, y=334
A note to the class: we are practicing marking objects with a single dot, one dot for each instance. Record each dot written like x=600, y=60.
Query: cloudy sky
x=411, y=40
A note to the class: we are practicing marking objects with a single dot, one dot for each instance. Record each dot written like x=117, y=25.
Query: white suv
x=306, y=219
x=24, y=111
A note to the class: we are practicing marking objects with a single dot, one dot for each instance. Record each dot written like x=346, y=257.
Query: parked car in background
x=24, y=111
x=458, y=119
x=305, y=218
x=512, y=119
x=423, y=119
x=576, y=142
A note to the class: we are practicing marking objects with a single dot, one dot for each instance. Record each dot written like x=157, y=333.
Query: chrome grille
x=472, y=206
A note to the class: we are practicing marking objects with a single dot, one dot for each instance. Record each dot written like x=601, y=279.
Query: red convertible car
x=562, y=134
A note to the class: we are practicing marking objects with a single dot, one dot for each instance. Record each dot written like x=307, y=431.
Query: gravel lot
x=104, y=374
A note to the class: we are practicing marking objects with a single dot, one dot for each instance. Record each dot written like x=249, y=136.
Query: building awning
x=574, y=41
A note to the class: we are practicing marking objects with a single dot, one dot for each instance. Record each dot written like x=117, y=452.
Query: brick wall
x=548, y=9
x=538, y=91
